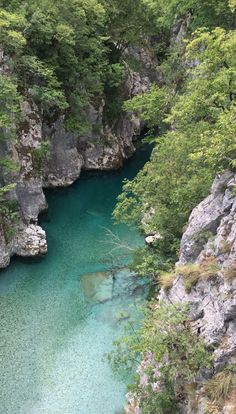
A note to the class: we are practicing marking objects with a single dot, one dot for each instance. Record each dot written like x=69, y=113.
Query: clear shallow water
x=52, y=335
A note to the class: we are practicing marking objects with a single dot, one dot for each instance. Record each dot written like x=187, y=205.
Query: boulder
x=31, y=242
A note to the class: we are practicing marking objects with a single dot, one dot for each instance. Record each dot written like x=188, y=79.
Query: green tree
x=200, y=142
x=9, y=106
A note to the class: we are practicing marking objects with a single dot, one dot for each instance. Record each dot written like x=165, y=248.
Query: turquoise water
x=54, y=326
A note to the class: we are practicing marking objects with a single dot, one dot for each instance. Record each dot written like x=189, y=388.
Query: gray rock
x=206, y=217
x=212, y=302
x=31, y=241
x=64, y=164
x=31, y=198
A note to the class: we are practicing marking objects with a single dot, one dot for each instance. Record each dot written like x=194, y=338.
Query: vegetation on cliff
x=191, y=120
x=172, y=356
x=67, y=56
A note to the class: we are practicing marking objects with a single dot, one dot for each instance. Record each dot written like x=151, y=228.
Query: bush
x=192, y=273
x=221, y=385
x=230, y=272
x=166, y=280
x=149, y=262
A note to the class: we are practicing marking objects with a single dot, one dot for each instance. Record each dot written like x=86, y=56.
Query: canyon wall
x=105, y=146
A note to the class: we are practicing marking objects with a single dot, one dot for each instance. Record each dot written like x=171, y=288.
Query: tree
x=200, y=142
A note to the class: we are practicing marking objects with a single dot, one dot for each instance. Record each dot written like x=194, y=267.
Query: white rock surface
x=31, y=241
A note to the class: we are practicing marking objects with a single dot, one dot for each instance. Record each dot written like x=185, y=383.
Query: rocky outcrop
x=207, y=216
x=31, y=241
x=208, y=249
x=28, y=238
x=211, y=237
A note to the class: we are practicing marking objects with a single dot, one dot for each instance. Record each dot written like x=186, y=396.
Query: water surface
x=53, y=333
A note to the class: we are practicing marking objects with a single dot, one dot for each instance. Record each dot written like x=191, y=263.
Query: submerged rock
x=104, y=286
x=97, y=287
x=128, y=283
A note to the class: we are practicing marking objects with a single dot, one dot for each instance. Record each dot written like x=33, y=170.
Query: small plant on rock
x=166, y=280
x=219, y=387
x=225, y=247
x=230, y=272
x=191, y=275
x=40, y=155
x=209, y=268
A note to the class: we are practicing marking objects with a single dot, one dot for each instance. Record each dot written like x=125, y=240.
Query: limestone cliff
x=206, y=280
x=210, y=242
x=104, y=147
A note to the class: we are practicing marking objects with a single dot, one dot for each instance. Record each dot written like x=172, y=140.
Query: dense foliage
x=64, y=56
x=68, y=54
x=191, y=120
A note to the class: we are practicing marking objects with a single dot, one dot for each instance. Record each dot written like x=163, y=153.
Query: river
x=60, y=314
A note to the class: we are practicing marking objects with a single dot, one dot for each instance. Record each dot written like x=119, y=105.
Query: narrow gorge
x=118, y=207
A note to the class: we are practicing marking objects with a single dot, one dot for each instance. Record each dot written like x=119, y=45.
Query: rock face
x=64, y=163
x=212, y=301
x=29, y=239
x=210, y=238
x=206, y=217
x=105, y=146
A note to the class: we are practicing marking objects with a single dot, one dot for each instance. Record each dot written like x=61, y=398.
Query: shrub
x=230, y=272
x=225, y=247
x=191, y=275
x=165, y=335
x=221, y=385
x=149, y=262
x=166, y=280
